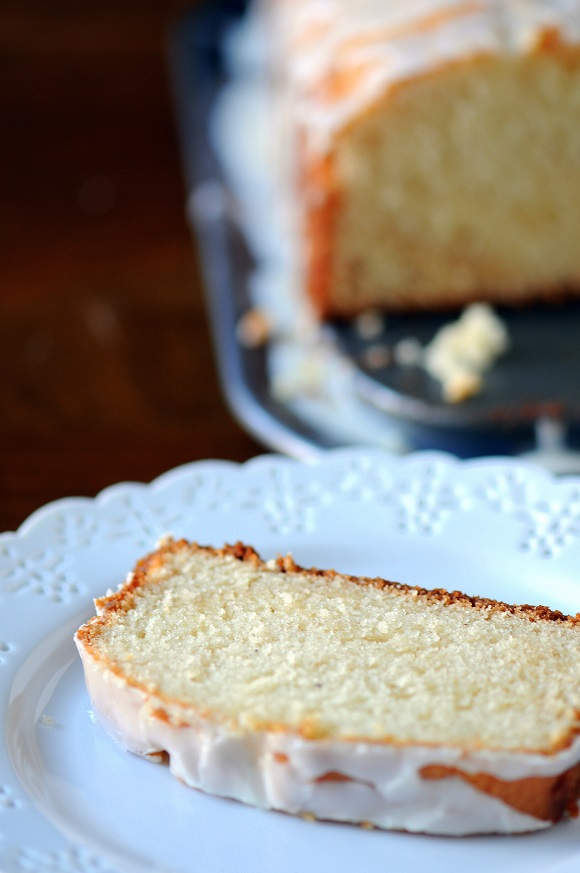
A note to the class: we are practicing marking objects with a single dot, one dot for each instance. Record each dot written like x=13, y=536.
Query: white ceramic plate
x=72, y=802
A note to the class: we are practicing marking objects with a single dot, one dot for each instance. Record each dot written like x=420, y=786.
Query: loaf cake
x=434, y=154
x=340, y=698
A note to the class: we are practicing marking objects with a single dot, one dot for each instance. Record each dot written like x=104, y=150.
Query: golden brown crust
x=441, y=595
x=123, y=599
x=321, y=191
x=545, y=797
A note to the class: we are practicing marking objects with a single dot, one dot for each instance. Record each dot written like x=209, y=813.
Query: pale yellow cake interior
x=335, y=658
x=461, y=185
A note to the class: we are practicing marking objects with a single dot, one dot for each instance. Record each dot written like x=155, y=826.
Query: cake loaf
x=435, y=149
x=342, y=698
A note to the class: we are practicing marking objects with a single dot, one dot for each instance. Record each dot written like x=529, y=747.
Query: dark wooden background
x=106, y=366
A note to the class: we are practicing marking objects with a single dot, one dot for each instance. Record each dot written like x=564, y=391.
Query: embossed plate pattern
x=72, y=802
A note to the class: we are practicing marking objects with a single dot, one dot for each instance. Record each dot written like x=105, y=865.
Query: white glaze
x=277, y=770
x=395, y=42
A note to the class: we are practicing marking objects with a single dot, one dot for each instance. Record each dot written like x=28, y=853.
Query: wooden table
x=106, y=371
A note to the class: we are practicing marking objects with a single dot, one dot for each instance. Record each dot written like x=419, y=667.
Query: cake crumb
x=253, y=329
x=376, y=356
x=304, y=378
x=369, y=324
x=461, y=385
x=463, y=350
x=408, y=352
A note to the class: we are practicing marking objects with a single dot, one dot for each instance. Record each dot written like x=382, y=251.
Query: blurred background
x=106, y=366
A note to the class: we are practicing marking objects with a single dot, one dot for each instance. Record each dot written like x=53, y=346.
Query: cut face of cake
x=344, y=698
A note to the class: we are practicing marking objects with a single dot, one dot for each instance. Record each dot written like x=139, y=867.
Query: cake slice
x=343, y=698
x=433, y=149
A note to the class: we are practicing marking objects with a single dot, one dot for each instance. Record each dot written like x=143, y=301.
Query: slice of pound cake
x=342, y=698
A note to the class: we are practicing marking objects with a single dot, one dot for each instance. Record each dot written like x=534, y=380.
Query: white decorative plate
x=72, y=802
